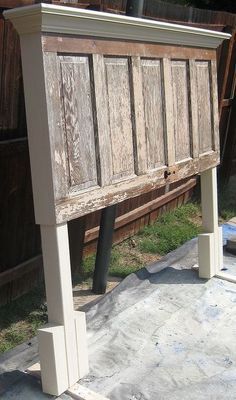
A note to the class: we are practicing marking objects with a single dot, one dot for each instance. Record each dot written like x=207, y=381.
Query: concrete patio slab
x=162, y=333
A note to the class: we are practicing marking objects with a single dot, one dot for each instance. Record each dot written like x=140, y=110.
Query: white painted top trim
x=67, y=20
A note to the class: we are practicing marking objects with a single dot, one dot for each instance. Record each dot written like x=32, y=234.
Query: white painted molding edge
x=226, y=277
x=50, y=18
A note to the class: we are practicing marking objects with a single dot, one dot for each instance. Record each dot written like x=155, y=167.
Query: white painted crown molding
x=49, y=18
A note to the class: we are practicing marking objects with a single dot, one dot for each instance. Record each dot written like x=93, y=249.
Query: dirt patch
x=82, y=293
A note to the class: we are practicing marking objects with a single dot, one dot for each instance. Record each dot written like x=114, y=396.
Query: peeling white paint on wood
x=119, y=117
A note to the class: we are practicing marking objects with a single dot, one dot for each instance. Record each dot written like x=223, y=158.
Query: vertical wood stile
x=170, y=133
x=194, y=108
x=55, y=121
x=215, y=108
x=104, y=141
x=139, y=125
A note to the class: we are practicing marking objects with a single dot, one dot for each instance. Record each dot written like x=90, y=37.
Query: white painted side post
x=210, y=247
x=57, y=272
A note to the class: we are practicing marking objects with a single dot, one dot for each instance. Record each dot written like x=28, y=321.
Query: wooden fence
x=20, y=258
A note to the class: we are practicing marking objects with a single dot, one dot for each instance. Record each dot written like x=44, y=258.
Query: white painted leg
x=206, y=257
x=220, y=250
x=57, y=273
x=80, y=326
x=210, y=243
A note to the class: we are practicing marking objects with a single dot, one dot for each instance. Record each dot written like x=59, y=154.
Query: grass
x=20, y=320
x=170, y=231
x=118, y=265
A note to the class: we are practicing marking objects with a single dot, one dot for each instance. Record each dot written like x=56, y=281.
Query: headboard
x=116, y=106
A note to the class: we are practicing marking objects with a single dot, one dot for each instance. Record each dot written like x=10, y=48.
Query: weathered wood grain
x=140, y=119
x=169, y=112
x=154, y=112
x=126, y=116
x=104, y=154
x=116, y=193
x=194, y=109
x=121, y=131
x=79, y=126
x=215, y=108
x=56, y=125
x=204, y=106
x=139, y=123
x=180, y=80
x=66, y=44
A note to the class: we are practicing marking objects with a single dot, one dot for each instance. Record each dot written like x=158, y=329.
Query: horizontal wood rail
x=21, y=269
x=147, y=208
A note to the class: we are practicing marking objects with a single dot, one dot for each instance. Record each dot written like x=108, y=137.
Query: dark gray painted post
x=104, y=249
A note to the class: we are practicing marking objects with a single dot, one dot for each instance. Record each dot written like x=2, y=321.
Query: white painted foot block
x=226, y=277
x=82, y=349
x=53, y=360
x=80, y=392
x=219, y=245
x=34, y=370
x=206, y=255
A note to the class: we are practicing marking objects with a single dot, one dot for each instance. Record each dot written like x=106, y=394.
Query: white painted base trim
x=82, y=348
x=80, y=392
x=226, y=277
x=220, y=250
x=77, y=391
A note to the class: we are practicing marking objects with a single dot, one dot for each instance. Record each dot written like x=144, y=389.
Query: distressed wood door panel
x=204, y=101
x=180, y=87
x=117, y=76
x=122, y=125
x=78, y=120
x=153, y=112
